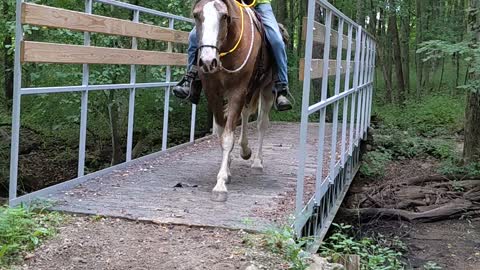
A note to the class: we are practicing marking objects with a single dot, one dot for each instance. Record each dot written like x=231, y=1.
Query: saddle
x=264, y=59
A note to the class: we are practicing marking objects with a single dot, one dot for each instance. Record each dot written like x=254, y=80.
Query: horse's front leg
x=235, y=106
x=265, y=105
x=245, y=151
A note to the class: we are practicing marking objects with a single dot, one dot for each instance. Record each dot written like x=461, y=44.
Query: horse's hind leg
x=266, y=102
x=219, y=192
x=245, y=151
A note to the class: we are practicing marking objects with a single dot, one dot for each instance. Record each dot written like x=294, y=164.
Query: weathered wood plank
x=176, y=187
x=61, y=18
x=40, y=52
x=319, y=32
x=317, y=68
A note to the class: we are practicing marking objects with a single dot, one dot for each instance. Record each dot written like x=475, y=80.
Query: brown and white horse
x=233, y=67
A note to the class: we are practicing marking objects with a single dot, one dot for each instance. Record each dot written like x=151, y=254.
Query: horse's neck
x=235, y=28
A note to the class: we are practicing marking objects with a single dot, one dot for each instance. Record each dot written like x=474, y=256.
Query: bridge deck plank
x=147, y=191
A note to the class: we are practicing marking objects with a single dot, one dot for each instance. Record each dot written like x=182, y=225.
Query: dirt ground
x=90, y=243
x=451, y=244
x=103, y=243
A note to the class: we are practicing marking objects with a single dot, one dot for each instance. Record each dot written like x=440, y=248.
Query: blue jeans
x=274, y=37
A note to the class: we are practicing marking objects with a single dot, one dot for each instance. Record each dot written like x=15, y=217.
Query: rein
x=241, y=6
x=252, y=37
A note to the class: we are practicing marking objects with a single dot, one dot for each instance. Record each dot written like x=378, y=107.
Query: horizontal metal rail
x=323, y=104
x=85, y=89
x=79, y=88
x=327, y=5
x=145, y=10
x=340, y=152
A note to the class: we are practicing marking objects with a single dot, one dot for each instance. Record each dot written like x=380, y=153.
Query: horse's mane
x=247, y=2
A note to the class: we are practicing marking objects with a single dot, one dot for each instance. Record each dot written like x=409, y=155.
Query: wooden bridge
x=175, y=186
x=308, y=166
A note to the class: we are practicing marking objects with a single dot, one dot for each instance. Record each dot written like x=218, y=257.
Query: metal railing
x=349, y=124
x=85, y=88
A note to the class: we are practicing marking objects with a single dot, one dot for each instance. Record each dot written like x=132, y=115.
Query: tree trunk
x=361, y=12
x=471, y=152
x=442, y=73
x=457, y=76
x=7, y=58
x=405, y=34
x=117, y=153
x=472, y=128
x=397, y=53
x=418, y=58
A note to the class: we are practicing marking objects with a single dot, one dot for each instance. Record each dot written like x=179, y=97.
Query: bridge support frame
x=345, y=39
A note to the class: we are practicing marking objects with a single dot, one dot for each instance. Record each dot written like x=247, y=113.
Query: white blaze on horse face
x=210, y=29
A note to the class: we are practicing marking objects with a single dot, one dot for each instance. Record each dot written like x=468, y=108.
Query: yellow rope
x=247, y=6
x=241, y=6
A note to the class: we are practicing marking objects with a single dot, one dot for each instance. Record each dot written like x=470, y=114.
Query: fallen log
x=465, y=184
x=442, y=212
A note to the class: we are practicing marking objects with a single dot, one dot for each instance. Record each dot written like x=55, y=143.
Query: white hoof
x=257, y=164
x=219, y=192
x=219, y=196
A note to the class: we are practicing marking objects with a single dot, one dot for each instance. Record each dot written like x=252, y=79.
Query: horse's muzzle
x=209, y=61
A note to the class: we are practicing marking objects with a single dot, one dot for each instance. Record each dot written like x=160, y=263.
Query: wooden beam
x=317, y=68
x=61, y=18
x=319, y=35
x=40, y=52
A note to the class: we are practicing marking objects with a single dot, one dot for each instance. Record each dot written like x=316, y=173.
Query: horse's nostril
x=200, y=62
x=214, y=63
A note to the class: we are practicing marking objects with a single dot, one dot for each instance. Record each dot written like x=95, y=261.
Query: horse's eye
x=224, y=16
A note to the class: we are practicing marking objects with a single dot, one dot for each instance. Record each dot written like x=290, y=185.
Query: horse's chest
x=223, y=82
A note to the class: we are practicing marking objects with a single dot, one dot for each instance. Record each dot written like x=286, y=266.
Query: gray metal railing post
x=321, y=128
x=304, y=122
x=338, y=72
x=166, y=106
x=372, y=77
x=85, y=88
x=84, y=102
x=346, y=99
x=365, y=89
x=17, y=85
x=192, y=122
x=368, y=88
x=360, y=90
x=131, y=97
x=356, y=76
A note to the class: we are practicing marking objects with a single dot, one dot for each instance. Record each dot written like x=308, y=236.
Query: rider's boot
x=281, y=101
x=189, y=87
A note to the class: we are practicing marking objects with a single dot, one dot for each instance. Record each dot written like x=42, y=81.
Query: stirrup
x=180, y=90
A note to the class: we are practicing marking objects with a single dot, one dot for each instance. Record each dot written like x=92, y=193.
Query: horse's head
x=212, y=19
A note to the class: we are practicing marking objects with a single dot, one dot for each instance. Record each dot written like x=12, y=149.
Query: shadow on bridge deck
x=174, y=187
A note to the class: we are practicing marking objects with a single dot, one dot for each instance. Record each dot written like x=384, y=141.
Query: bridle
x=235, y=47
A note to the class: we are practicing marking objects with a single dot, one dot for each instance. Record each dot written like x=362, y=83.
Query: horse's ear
x=231, y=6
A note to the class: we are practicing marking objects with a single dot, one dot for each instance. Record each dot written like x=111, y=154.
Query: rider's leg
x=192, y=48
x=275, y=39
x=183, y=88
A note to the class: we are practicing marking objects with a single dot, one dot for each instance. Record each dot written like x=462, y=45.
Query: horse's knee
x=227, y=140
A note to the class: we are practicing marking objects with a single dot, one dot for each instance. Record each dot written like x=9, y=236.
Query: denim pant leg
x=275, y=39
x=192, y=48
